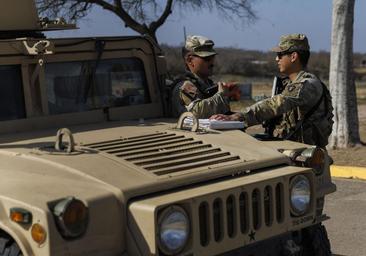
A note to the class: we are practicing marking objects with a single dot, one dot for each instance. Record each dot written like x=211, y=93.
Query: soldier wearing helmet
x=195, y=91
x=303, y=109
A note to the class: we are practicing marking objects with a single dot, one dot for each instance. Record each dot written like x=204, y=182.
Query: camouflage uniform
x=297, y=99
x=192, y=93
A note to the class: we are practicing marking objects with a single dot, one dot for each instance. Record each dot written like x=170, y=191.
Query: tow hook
x=59, y=145
x=183, y=116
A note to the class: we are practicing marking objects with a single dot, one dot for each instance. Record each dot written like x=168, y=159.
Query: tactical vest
x=203, y=89
x=188, y=76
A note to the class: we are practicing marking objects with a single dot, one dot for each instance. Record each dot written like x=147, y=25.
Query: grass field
x=353, y=156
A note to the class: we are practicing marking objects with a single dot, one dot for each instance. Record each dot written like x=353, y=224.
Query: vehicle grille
x=236, y=217
x=166, y=153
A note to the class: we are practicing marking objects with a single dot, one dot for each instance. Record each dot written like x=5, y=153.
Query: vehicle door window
x=87, y=85
x=12, y=104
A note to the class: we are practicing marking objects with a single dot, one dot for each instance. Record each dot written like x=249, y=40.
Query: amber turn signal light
x=39, y=234
x=20, y=215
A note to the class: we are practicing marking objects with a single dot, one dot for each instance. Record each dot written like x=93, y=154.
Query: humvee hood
x=153, y=157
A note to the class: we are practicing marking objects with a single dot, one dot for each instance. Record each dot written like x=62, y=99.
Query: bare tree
x=342, y=86
x=144, y=16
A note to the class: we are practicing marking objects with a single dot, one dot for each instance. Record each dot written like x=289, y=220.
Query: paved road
x=347, y=226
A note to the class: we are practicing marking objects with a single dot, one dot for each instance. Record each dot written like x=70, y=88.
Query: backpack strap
x=308, y=114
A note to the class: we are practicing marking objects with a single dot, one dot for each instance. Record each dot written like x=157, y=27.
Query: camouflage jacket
x=297, y=99
x=199, y=97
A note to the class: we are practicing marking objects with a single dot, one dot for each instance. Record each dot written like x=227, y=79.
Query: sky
x=275, y=18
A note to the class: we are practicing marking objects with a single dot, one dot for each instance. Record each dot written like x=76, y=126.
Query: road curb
x=350, y=172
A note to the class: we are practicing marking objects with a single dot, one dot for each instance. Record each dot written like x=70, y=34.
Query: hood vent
x=164, y=153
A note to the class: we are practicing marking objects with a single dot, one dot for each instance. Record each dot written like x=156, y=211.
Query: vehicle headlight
x=173, y=230
x=300, y=193
x=71, y=217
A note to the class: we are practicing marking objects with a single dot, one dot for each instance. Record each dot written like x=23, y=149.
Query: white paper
x=215, y=124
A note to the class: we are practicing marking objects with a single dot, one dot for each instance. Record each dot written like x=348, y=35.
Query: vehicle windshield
x=85, y=85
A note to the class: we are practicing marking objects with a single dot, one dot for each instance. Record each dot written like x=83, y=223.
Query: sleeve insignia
x=189, y=88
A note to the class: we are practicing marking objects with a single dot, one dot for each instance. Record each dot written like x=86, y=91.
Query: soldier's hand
x=223, y=87
x=230, y=90
x=221, y=117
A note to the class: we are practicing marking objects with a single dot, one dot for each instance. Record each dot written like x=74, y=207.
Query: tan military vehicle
x=90, y=165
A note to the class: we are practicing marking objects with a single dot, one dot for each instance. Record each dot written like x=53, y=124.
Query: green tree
x=144, y=16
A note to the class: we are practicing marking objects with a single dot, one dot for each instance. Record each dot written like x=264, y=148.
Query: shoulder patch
x=188, y=93
x=292, y=90
x=189, y=88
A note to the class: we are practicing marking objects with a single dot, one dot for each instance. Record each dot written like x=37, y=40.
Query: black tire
x=8, y=247
x=315, y=241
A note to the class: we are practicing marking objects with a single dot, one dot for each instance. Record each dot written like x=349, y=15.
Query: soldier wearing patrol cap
x=303, y=109
x=195, y=91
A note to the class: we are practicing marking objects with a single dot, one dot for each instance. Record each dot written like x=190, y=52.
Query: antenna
x=185, y=33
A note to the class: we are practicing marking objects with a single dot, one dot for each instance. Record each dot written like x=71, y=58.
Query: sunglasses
x=281, y=54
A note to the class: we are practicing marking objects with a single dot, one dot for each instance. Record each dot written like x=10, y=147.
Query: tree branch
x=167, y=11
x=128, y=20
x=118, y=4
x=102, y=4
x=136, y=13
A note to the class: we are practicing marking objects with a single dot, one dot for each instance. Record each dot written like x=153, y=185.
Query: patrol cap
x=292, y=42
x=200, y=46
